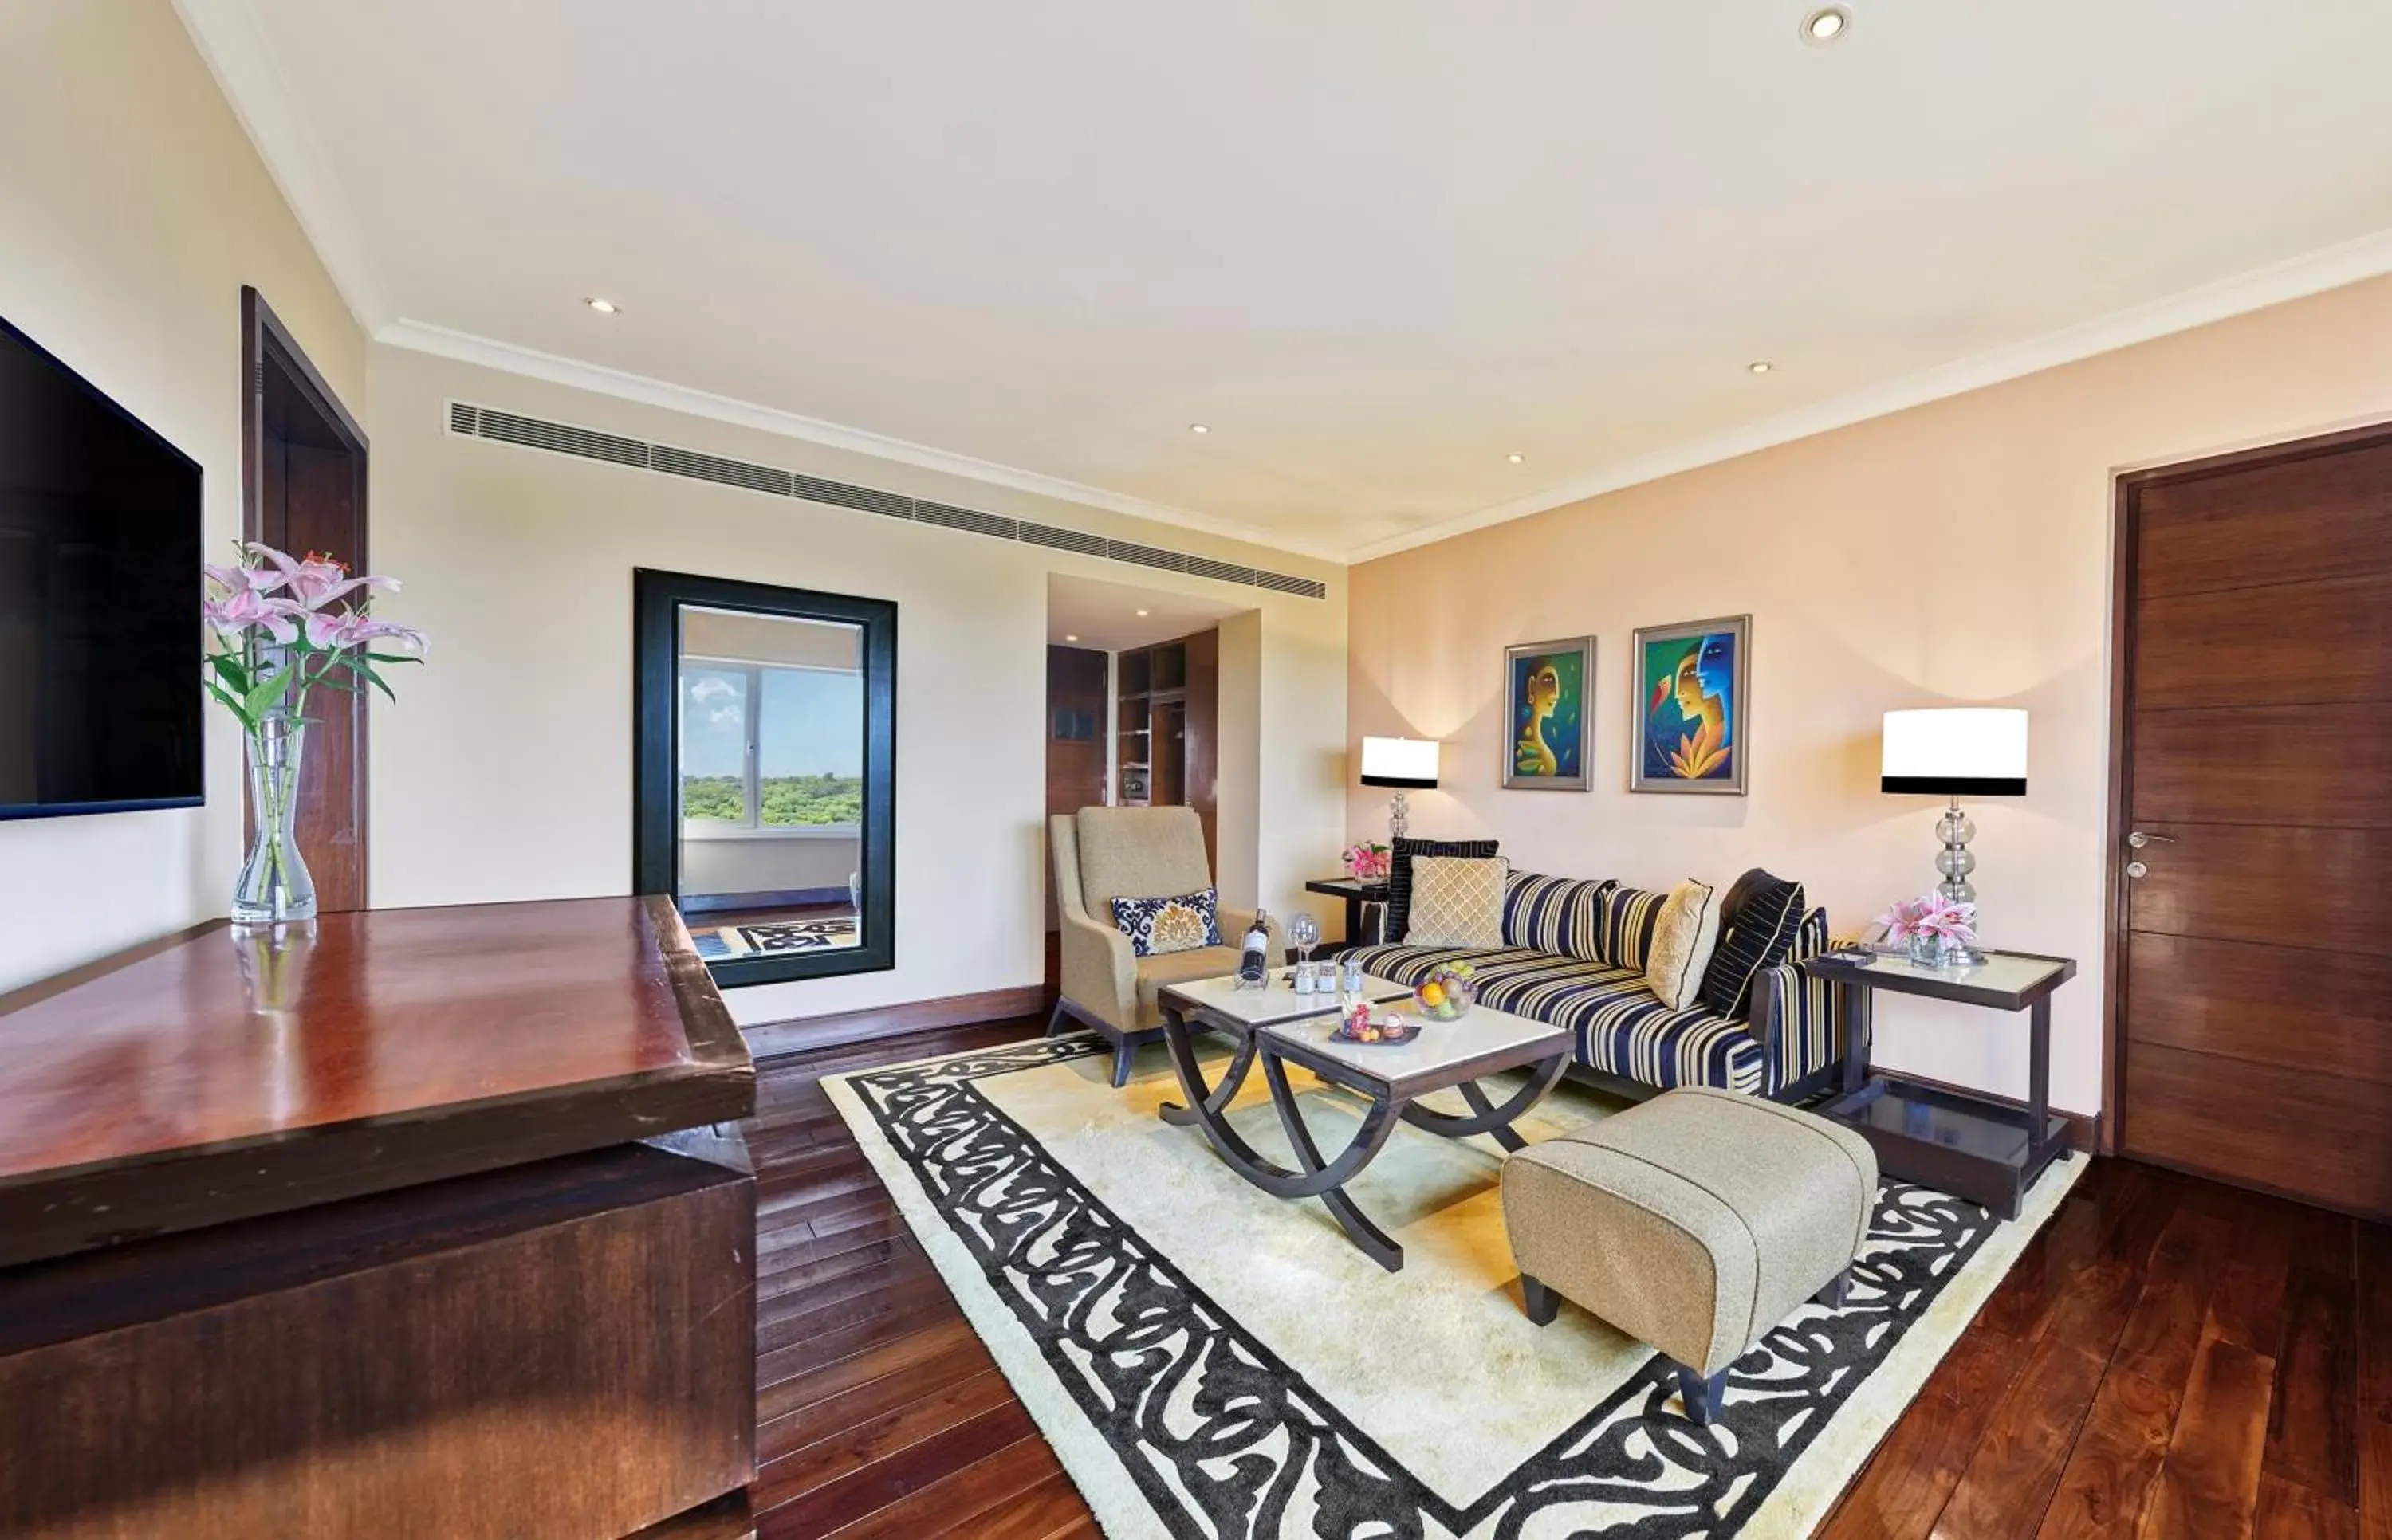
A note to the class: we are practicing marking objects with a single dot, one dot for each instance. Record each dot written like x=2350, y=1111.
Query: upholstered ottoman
x=1695, y=1222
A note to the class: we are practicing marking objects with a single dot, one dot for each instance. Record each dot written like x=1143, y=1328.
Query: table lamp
x=1954, y=752
x=1407, y=764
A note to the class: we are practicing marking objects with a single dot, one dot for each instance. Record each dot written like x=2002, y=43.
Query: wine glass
x=1304, y=934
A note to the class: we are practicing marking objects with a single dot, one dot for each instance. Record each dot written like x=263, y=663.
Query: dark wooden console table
x=1972, y=1146
x=427, y=1221
x=1356, y=895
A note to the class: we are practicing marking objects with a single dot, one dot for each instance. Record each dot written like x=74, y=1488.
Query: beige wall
x=1955, y=553
x=504, y=772
x=132, y=211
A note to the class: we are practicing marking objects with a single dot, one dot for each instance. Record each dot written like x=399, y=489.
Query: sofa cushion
x=1626, y=939
x=1683, y=937
x=1619, y=1026
x=1757, y=935
x=1457, y=902
x=1400, y=873
x=1180, y=924
x=1563, y=915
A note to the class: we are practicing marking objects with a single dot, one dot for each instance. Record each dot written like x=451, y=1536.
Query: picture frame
x=1690, y=708
x=1549, y=714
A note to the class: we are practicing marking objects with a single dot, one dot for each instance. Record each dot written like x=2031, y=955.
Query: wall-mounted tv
x=100, y=599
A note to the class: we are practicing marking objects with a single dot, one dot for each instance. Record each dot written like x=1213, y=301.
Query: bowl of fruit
x=1447, y=992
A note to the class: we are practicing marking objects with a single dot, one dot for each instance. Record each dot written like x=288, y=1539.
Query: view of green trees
x=790, y=801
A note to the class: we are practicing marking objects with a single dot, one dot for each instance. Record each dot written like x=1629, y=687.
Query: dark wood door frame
x=2126, y=506
x=271, y=357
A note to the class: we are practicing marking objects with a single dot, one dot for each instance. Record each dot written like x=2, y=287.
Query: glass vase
x=1926, y=949
x=274, y=888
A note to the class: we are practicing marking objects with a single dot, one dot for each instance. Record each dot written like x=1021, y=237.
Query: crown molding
x=557, y=370
x=234, y=45
x=2351, y=261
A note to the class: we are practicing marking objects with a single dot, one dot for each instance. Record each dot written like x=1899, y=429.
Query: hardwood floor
x=2169, y=1357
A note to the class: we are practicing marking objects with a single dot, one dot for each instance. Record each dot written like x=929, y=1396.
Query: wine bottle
x=1254, y=968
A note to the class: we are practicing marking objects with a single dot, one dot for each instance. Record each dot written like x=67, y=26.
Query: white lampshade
x=1408, y=762
x=1956, y=751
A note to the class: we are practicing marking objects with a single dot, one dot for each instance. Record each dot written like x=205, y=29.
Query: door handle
x=2139, y=839
x=2138, y=870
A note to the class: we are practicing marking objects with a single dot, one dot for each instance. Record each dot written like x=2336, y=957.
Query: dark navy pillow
x=1759, y=936
x=1400, y=874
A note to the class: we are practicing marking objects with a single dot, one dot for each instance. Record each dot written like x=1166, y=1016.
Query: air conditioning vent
x=1306, y=586
x=467, y=420
x=1062, y=539
x=970, y=519
x=840, y=494
x=531, y=432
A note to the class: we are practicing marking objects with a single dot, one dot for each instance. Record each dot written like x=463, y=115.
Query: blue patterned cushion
x=1619, y=1024
x=1562, y=915
x=1629, y=914
x=1759, y=936
x=1181, y=923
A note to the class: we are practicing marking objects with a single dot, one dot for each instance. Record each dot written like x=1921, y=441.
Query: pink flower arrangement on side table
x=1931, y=917
x=277, y=636
x=1368, y=861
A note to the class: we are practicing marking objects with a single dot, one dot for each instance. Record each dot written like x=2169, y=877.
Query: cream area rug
x=1209, y=1361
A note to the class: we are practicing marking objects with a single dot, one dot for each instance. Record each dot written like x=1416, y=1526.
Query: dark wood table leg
x=1486, y=1118
x=1208, y=1102
x=1377, y=1124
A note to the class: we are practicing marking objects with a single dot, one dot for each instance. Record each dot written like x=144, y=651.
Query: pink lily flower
x=351, y=629
x=243, y=608
x=243, y=579
x=318, y=580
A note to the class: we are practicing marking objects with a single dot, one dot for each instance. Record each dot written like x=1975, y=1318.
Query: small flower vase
x=1926, y=949
x=274, y=888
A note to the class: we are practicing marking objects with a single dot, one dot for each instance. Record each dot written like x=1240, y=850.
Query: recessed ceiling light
x=1826, y=25
x=1517, y=459
x=1197, y=428
x=1760, y=366
x=603, y=307
x=1071, y=639
x=1141, y=612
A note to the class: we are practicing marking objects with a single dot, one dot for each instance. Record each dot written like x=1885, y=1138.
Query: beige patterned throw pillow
x=1457, y=902
x=1684, y=936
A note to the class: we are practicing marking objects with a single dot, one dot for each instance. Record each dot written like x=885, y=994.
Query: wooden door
x=2255, y=949
x=304, y=489
x=1076, y=683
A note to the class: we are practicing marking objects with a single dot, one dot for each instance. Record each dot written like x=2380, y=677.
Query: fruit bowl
x=1447, y=992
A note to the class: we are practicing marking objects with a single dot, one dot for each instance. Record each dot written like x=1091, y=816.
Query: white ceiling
x=1378, y=245
x=1112, y=617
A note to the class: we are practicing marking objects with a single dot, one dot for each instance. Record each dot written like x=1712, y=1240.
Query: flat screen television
x=100, y=599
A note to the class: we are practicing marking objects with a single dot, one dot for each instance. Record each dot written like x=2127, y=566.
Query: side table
x=1972, y=1146
x=1356, y=895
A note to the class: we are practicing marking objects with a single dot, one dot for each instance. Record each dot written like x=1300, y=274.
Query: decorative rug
x=1209, y=1361
x=777, y=935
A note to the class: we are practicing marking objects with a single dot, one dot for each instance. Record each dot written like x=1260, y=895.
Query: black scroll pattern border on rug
x=1225, y=1438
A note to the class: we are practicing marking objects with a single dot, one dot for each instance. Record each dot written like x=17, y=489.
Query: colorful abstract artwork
x=1690, y=707
x=1546, y=696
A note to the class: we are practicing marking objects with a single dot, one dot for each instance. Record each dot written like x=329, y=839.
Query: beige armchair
x=1105, y=853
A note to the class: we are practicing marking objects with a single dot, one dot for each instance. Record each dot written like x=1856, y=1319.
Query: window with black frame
x=766, y=773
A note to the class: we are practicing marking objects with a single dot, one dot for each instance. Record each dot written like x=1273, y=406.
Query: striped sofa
x=1574, y=955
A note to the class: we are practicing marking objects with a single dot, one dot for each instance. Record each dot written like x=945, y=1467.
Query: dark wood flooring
x=2170, y=1357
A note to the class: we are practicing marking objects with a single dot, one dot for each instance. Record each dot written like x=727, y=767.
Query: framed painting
x=1546, y=703
x=1690, y=707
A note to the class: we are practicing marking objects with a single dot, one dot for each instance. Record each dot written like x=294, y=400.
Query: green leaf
x=376, y=680
x=232, y=702
x=394, y=657
x=236, y=678
x=263, y=696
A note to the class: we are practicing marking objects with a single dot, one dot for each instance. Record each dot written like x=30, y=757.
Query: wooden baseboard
x=800, y=1034
x=2084, y=1128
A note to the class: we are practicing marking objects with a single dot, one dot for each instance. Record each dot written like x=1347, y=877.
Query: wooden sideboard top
x=218, y=1074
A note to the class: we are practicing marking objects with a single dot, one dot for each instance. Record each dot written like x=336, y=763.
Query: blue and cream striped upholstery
x=1619, y=1026
x=1805, y=1035
x=1622, y=1029
x=1562, y=915
x=1629, y=914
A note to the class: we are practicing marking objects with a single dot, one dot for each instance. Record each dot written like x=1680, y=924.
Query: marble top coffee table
x=1276, y=1026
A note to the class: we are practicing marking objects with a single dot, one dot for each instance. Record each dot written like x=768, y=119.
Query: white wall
x=504, y=770
x=132, y=211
